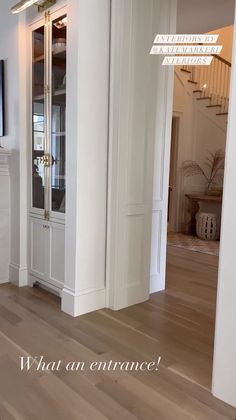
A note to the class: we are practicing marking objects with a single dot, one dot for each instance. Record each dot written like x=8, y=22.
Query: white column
x=224, y=371
x=87, y=136
x=4, y=215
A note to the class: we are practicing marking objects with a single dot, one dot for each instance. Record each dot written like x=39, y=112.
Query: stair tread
x=211, y=98
x=186, y=71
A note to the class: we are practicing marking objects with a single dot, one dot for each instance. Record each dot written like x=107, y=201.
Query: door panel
x=47, y=252
x=155, y=247
x=161, y=180
x=164, y=102
x=138, y=134
x=57, y=252
x=38, y=248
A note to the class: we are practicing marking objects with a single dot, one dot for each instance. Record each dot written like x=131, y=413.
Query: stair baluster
x=212, y=82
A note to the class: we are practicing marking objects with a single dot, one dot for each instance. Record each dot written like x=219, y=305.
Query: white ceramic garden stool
x=207, y=226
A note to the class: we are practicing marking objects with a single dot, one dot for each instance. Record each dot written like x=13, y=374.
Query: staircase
x=211, y=84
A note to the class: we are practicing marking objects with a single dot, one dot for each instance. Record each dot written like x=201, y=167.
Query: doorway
x=173, y=185
x=131, y=169
x=196, y=153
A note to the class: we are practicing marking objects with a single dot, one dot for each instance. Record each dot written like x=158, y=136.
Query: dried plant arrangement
x=214, y=172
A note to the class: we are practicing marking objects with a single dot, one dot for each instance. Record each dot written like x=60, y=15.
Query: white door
x=172, y=193
x=138, y=131
x=161, y=189
x=161, y=184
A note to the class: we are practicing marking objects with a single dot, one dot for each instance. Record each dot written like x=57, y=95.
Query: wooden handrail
x=219, y=57
x=222, y=59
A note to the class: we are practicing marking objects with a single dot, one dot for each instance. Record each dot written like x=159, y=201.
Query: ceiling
x=201, y=16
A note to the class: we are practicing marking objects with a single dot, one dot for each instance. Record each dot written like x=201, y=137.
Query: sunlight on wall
x=225, y=39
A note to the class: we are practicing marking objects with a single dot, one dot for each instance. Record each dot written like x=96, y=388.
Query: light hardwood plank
x=177, y=324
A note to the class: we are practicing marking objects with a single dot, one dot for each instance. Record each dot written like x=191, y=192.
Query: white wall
x=225, y=39
x=224, y=371
x=12, y=31
x=200, y=130
x=204, y=15
x=9, y=27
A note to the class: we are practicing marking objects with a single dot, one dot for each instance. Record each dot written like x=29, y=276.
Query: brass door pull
x=46, y=160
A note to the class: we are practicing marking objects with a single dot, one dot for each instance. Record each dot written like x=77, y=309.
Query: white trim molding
x=224, y=366
x=79, y=303
x=4, y=161
x=18, y=275
x=4, y=215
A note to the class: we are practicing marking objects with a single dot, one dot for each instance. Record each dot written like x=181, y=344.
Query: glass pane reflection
x=38, y=126
x=58, y=120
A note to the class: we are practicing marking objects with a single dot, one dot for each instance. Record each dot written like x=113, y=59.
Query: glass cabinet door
x=38, y=120
x=49, y=115
x=58, y=114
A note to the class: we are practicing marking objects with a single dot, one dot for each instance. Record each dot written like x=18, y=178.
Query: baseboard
x=4, y=281
x=34, y=281
x=80, y=303
x=18, y=275
x=156, y=284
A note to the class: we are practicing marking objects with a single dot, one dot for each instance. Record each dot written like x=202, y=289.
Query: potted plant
x=213, y=174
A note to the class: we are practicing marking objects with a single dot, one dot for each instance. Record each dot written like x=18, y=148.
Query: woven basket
x=207, y=226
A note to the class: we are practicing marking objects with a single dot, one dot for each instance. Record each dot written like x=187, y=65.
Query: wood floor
x=177, y=325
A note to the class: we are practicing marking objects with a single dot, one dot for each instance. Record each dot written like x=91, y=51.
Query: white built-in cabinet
x=48, y=146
